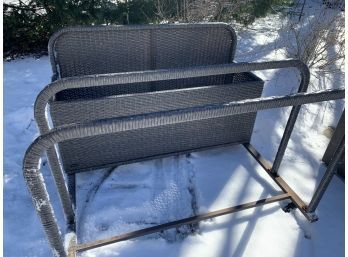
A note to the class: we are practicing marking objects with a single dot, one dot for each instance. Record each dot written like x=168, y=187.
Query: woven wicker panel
x=100, y=151
x=110, y=49
x=104, y=150
x=96, y=52
x=187, y=47
x=65, y=112
x=85, y=51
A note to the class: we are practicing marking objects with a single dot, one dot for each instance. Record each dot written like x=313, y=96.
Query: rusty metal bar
x=267, y=166
x=177, y=223
x=325, y=181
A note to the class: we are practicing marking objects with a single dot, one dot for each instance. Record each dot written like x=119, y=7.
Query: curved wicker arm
x=31, y=164
x=156, y=75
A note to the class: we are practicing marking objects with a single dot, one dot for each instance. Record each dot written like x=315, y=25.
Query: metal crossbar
x=181, y=222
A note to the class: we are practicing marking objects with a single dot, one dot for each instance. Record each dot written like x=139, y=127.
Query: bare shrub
x=212, y=10
x=194, y=10
x=318, y=40
x=242, y=11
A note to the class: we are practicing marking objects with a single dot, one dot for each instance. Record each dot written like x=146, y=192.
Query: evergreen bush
x=28, y=26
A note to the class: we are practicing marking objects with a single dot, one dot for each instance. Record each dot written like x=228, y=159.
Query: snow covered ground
x=148, y=193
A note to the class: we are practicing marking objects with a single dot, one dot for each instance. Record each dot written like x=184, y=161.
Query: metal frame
x=50, y=137
x=52, y=89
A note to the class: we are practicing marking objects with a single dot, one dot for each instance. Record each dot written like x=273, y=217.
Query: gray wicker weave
x=101, y=50
x=127, y=93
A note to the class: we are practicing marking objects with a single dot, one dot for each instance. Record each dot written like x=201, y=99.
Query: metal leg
x=72, y=188
x=285, y=139
x=72, y=191
x=325, y=181
x=62, y=187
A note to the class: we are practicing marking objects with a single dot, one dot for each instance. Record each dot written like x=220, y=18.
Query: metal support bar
x=178, y=223
x=266, y=165
x=71, y=179
x=286, y=137
x=62, y=187
x=325, y=181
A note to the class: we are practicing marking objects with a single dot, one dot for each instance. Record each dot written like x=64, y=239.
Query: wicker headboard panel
x=109, y=49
